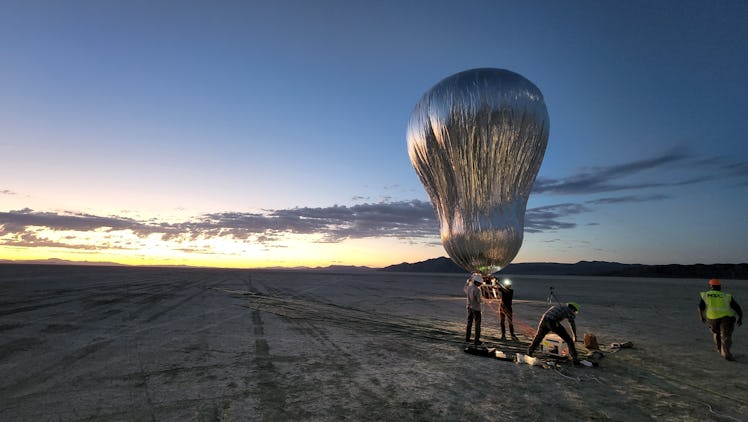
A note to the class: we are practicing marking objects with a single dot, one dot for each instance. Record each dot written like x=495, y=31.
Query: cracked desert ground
x=171, y=344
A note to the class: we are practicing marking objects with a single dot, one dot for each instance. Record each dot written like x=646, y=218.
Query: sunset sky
x=272, y=133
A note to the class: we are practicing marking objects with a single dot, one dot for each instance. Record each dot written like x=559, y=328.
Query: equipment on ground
x=544, y=361
x=552, y=296
x=590, y=341
x=553, y=345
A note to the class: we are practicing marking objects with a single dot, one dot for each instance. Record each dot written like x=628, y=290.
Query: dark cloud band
x=406, y=220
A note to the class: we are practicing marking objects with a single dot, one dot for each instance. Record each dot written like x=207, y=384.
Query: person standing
x=505, y=308
x=720, y=309
x=474, y=303
x=551, y=321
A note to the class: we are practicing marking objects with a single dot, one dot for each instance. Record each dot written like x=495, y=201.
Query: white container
x=553, y=345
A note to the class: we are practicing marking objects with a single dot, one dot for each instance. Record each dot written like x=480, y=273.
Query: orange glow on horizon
x=126, y=248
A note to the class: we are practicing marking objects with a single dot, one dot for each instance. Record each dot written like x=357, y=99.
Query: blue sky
x=248, y=133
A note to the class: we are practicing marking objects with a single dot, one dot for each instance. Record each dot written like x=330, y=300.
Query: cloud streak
x=412, y=221
x=549, y=218
x=407, y=220
x=628, y=198
x=404, y=220
x=593, y=180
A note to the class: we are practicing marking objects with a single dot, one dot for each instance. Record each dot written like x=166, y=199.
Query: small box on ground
x=553, y=345
x=590, y=341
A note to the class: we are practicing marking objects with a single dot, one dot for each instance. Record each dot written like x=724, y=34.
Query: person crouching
x=551, y=322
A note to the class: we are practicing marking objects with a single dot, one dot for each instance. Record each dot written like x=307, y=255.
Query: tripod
x=552, y=296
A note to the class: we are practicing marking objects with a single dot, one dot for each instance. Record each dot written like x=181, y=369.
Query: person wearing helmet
x=720, y=309
x=474, y=303
x=551, y=322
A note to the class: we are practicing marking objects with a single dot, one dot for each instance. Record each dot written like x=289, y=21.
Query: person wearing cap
x=505, y=308
x=474, y=303
x=720, y=309
x=551, y=322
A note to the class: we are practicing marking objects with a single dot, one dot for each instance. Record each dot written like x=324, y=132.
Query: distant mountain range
x=446, y=265
x=58, y=261
x=590, y=268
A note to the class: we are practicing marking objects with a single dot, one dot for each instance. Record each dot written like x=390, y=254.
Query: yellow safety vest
x=717, y=304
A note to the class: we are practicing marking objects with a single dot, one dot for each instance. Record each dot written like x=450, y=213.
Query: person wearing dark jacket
x=720, y=309
x=505, y=308
x=551, y=322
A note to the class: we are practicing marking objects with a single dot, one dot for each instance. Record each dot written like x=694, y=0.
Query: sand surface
x=176, y=344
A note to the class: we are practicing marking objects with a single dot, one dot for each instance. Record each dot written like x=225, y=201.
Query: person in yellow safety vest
x=720, y=308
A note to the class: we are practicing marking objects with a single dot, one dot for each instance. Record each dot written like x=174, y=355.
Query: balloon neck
x=489, y=270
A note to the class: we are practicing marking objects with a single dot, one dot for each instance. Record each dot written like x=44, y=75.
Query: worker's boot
x=725, y=352
x=718, y=342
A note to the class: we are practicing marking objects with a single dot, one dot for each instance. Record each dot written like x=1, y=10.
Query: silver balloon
x=476, y=140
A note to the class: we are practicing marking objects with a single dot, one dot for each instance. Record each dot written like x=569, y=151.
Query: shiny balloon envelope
x=476, y=140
